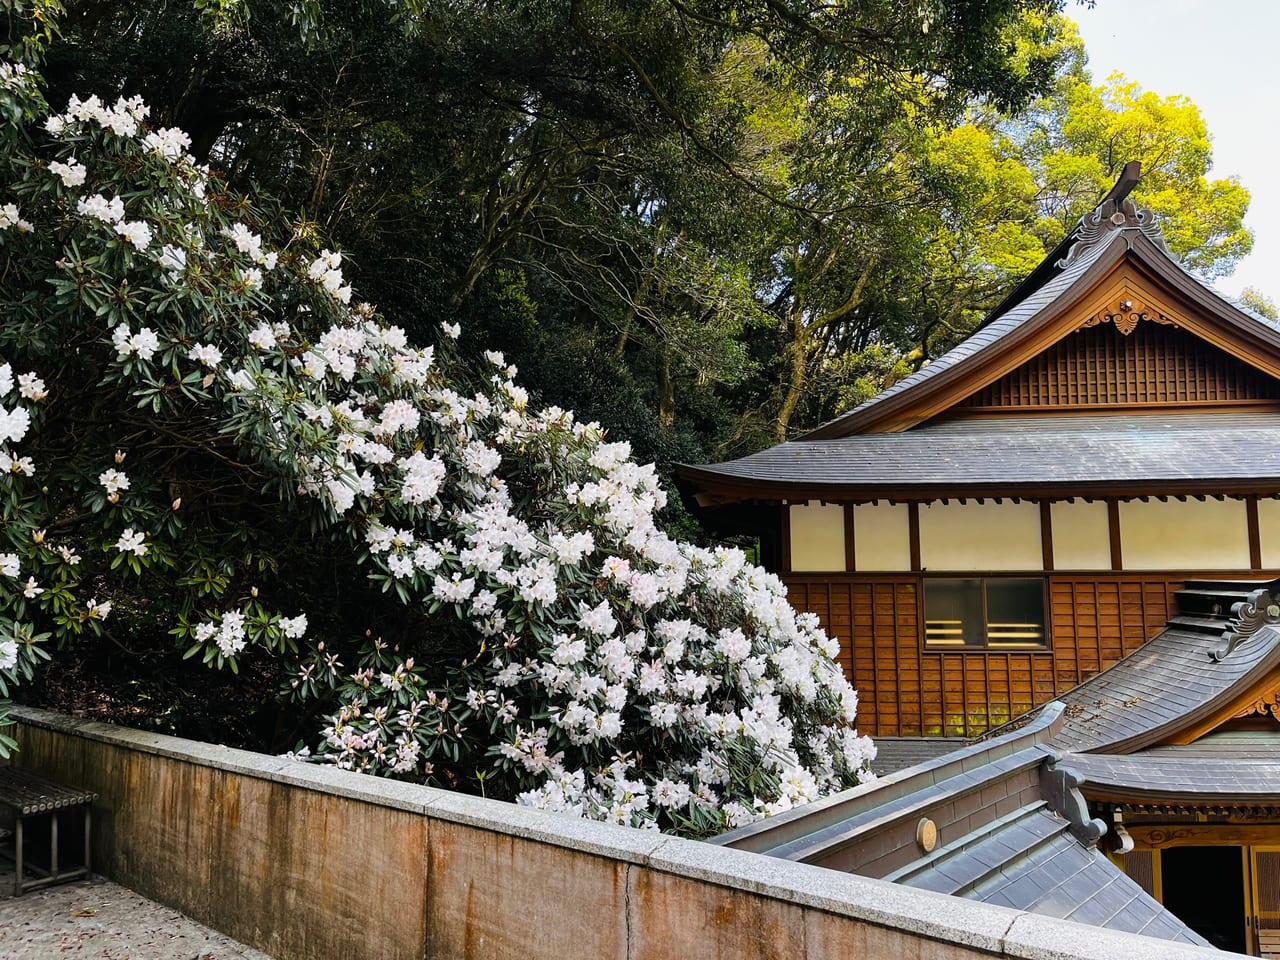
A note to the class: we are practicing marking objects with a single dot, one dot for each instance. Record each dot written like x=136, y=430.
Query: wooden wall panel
x=1099, y=366
x=876, y=624
x=1098, y=619
x=905, y=690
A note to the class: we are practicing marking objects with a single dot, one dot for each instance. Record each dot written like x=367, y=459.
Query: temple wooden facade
x=1080, y=503
x=1019, y=514
x=1178, y=751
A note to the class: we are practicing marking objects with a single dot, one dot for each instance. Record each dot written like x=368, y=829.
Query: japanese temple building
x=1018, y=514
x=1079, y=503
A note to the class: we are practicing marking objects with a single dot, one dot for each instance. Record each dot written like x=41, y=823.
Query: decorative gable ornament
x=1266, y=705
x=1126, y=311
x=1247, y=618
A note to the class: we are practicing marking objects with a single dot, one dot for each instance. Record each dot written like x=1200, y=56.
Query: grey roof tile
x=1166, y=681
x=899, y=753
x=1165, y=776
x=1017, y=451
x=1044, y=869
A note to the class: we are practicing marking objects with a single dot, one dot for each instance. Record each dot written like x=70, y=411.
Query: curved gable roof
x=1187, y=679
x=1105, y=240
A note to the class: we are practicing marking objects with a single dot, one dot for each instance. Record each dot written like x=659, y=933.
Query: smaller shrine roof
x=1171, y=681
x=1033, y=864
x=1181, y=775
x=1010, y=825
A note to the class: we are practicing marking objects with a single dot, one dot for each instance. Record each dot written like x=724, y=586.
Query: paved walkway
x=99, y=920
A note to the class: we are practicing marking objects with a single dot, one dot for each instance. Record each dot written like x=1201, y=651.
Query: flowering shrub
x=201, y=431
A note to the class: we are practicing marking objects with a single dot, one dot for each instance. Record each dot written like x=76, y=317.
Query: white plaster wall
x=1184, y=534
x=980, y=536
x=817, y=537
x=881, y=537
x=1269, y=531
x=1081, y=535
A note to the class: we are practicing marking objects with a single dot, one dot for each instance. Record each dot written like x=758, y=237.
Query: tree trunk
x=799, y=362
x=666, y=393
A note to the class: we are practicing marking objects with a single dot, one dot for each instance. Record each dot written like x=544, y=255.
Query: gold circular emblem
x=927, y=834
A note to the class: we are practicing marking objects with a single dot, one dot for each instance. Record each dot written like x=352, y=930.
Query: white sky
x=1222, y=56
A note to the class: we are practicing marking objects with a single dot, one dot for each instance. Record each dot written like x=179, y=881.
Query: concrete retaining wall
x=304, y=861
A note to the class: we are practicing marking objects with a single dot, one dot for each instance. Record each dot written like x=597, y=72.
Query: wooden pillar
x=1113, y=524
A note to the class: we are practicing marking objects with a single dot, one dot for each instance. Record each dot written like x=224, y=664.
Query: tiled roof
x=1164, y=685
x=1242, y=745
x=990, y=332
x=1032, y=862
x=1181, y=775
x=1011, y=829
x=986, y=454
x=899, y=753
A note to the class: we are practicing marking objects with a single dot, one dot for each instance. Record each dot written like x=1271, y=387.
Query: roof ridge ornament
x=1060, y=789
x=1115, y=212
x=1247, y=617
x=1110, y=216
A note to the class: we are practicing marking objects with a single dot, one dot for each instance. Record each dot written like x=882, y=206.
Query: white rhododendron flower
x=143, y=344
x=10, y=218
x=71, y=174
x=169, y=142
x=14, y=424
x=101, y=208
x=31, y=387
x=522, y=616
x=136, y=232
x=114, y=480
x=206, y=353
x=132, y=541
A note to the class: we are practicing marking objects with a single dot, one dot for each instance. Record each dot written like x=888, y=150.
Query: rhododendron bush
x=203, y=430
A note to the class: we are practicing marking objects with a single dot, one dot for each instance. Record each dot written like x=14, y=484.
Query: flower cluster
x=539, y=631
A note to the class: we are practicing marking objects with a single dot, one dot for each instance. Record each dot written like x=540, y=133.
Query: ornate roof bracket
x=1126, y=311
x=1060, y=788
x=1247, y=616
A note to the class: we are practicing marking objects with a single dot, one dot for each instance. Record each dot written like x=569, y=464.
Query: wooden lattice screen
x=1141, y=868
x=1099, y=366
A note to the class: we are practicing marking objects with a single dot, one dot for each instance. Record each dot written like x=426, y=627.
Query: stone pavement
x=99, y=920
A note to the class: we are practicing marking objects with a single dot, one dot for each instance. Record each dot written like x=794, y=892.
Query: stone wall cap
x=998, y=930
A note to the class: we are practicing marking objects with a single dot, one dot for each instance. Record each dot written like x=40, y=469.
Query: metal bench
x=30, y=800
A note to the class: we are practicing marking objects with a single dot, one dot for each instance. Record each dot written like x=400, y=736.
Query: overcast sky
x=1221, y=55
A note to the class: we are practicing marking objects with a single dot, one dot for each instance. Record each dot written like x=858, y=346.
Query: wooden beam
x=1147, y=836
x=850, y=562
x=786, y=538
x=1046, y=535
x=913, y=533
x=1261, y=697
x=1255, y=536
x=1113, y=525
